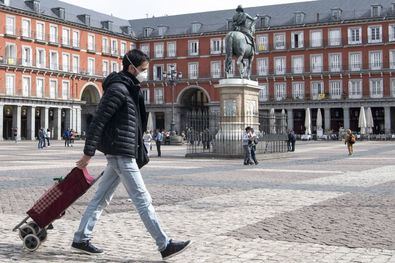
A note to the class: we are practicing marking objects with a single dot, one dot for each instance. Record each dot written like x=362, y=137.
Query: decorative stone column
x=238, y=109
x=327, y=117
x=31, y=123
x=17, y=121
x=387, y=120
x=57, y=124
x=44, y=118
x=290, y=118
x=346, y=116
x=1, y=121
x=78, y=120
x=68, y=119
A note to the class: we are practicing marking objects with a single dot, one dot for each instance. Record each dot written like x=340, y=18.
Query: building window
x=193, y=70
x=106, y=68
x=115, y=66
x=146, y=95
x=171, y=49
x=299, y=18
x=376, y=10
x=26, y=28
x=158, y=95
x=317, y=90
x=263, y=92
x=40, y=58
x=374, y=34
x=66, y=62
x=105, y=46
x=53, y=60
x=193, y=48
x=355, y=89
x=196, y=27
x=375, y=60
x=53, y=34
x=393, y=87
x=10, y=84
x=355, y=61
x=376, y=88
x=280, y=65
x=76, y=39
x=66, y=36
x=27, y=56
x=297, y=64
x=215, y=69
x=215, y=46
x=40, y=87
x=262, y=66
x=158, y=72
x=335, y=38
x=298, y=90
x=65, y=90
x=26, y=86
x=40, y=31
x=316, y=39
x=162, y=30
x=262, y=42
x=91, y=66
x=316, y=63
x=123, y=48
x=10, y=54
x=145, y=49
x=354, y=36
x=114, y=47
x=53, y=89
x=279, y=41
x=159, y=50
x=10, y=26
x=335, y=89
x=297, y=39
x=148, y=31
x=392, y=59
x=280, y=91
x=231, y=70
x=76, y=64
x=335, y=61
x=91, y=43
x=391, y=32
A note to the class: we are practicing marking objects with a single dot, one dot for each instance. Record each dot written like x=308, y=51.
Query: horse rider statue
x=240, y=43
x=239, y=23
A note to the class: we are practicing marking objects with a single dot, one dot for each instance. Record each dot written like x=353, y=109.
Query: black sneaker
x=86, y=247
x=174, y=248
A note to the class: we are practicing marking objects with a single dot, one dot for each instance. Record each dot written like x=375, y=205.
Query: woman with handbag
x=117, y=131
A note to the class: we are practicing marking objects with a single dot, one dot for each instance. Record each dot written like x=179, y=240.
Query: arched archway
x=90, y=93
x=192, y=99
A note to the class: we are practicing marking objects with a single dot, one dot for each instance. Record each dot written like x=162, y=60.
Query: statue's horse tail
x=229, y=51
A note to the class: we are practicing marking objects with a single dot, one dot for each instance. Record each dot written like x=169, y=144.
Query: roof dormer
x=376, y=10
x=336, y=14
x=59, y=12
x=147, y=31
x=33, y=5
x=265, y=21
x=126, y=30
x=196, y=26
x=299, y=17
x=5, y=2
x=107, y=25
x=85, y=19
x=162, y=30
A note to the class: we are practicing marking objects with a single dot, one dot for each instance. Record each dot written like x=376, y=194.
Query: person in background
x=252, y=143
x=15, y=133
x=147, y=141
x=246, y=146
x=41, y=138
x=48, y=135
x=349, y=140
x=66, y=138
x=291, y=140
x=158, y=137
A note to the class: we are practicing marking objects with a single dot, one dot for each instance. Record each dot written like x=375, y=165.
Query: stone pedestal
x=238, y=109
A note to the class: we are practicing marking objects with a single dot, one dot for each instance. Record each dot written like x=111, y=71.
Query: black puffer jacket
x=120, y=118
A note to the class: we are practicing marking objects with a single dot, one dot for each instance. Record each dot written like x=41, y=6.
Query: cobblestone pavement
x=313, y=205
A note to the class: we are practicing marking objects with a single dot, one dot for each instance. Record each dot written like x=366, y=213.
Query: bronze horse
x=237, y=45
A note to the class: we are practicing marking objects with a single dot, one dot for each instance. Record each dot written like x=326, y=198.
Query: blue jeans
x=125, y=170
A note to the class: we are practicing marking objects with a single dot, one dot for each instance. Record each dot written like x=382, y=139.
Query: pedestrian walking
x=147, y=141
x=121, y=113
x=71, y=137
x=66, y=138
x=349, y=140
x=246, y=146
x=291, y=140
x=47, y=137
x=252, y=143
x=41, y=138
x=158, y=141
x=15, y=134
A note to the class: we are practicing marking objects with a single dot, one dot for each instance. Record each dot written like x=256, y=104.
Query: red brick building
x=337, y=56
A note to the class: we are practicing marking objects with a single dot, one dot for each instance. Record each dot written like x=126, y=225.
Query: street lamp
x=172, y=77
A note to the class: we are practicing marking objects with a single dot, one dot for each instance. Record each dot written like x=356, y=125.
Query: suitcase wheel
x=31, y=242
x=26, y=230
x=42, y=235
x=34, y=226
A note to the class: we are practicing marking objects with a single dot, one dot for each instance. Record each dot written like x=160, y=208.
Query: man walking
x=158, y=141
x=116, y=130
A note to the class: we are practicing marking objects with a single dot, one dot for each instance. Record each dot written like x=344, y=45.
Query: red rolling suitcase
x=52, y=205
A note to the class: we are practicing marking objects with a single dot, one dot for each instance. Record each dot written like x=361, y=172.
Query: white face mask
x=142, y=76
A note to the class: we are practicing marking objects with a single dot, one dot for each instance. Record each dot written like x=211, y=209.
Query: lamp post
x=172, y=77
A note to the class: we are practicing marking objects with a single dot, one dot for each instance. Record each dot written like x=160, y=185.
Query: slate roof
x=216, y=21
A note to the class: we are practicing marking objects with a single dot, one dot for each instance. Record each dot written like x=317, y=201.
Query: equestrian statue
x=240, y=43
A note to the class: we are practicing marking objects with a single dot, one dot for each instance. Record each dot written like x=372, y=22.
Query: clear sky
x=135, y=9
